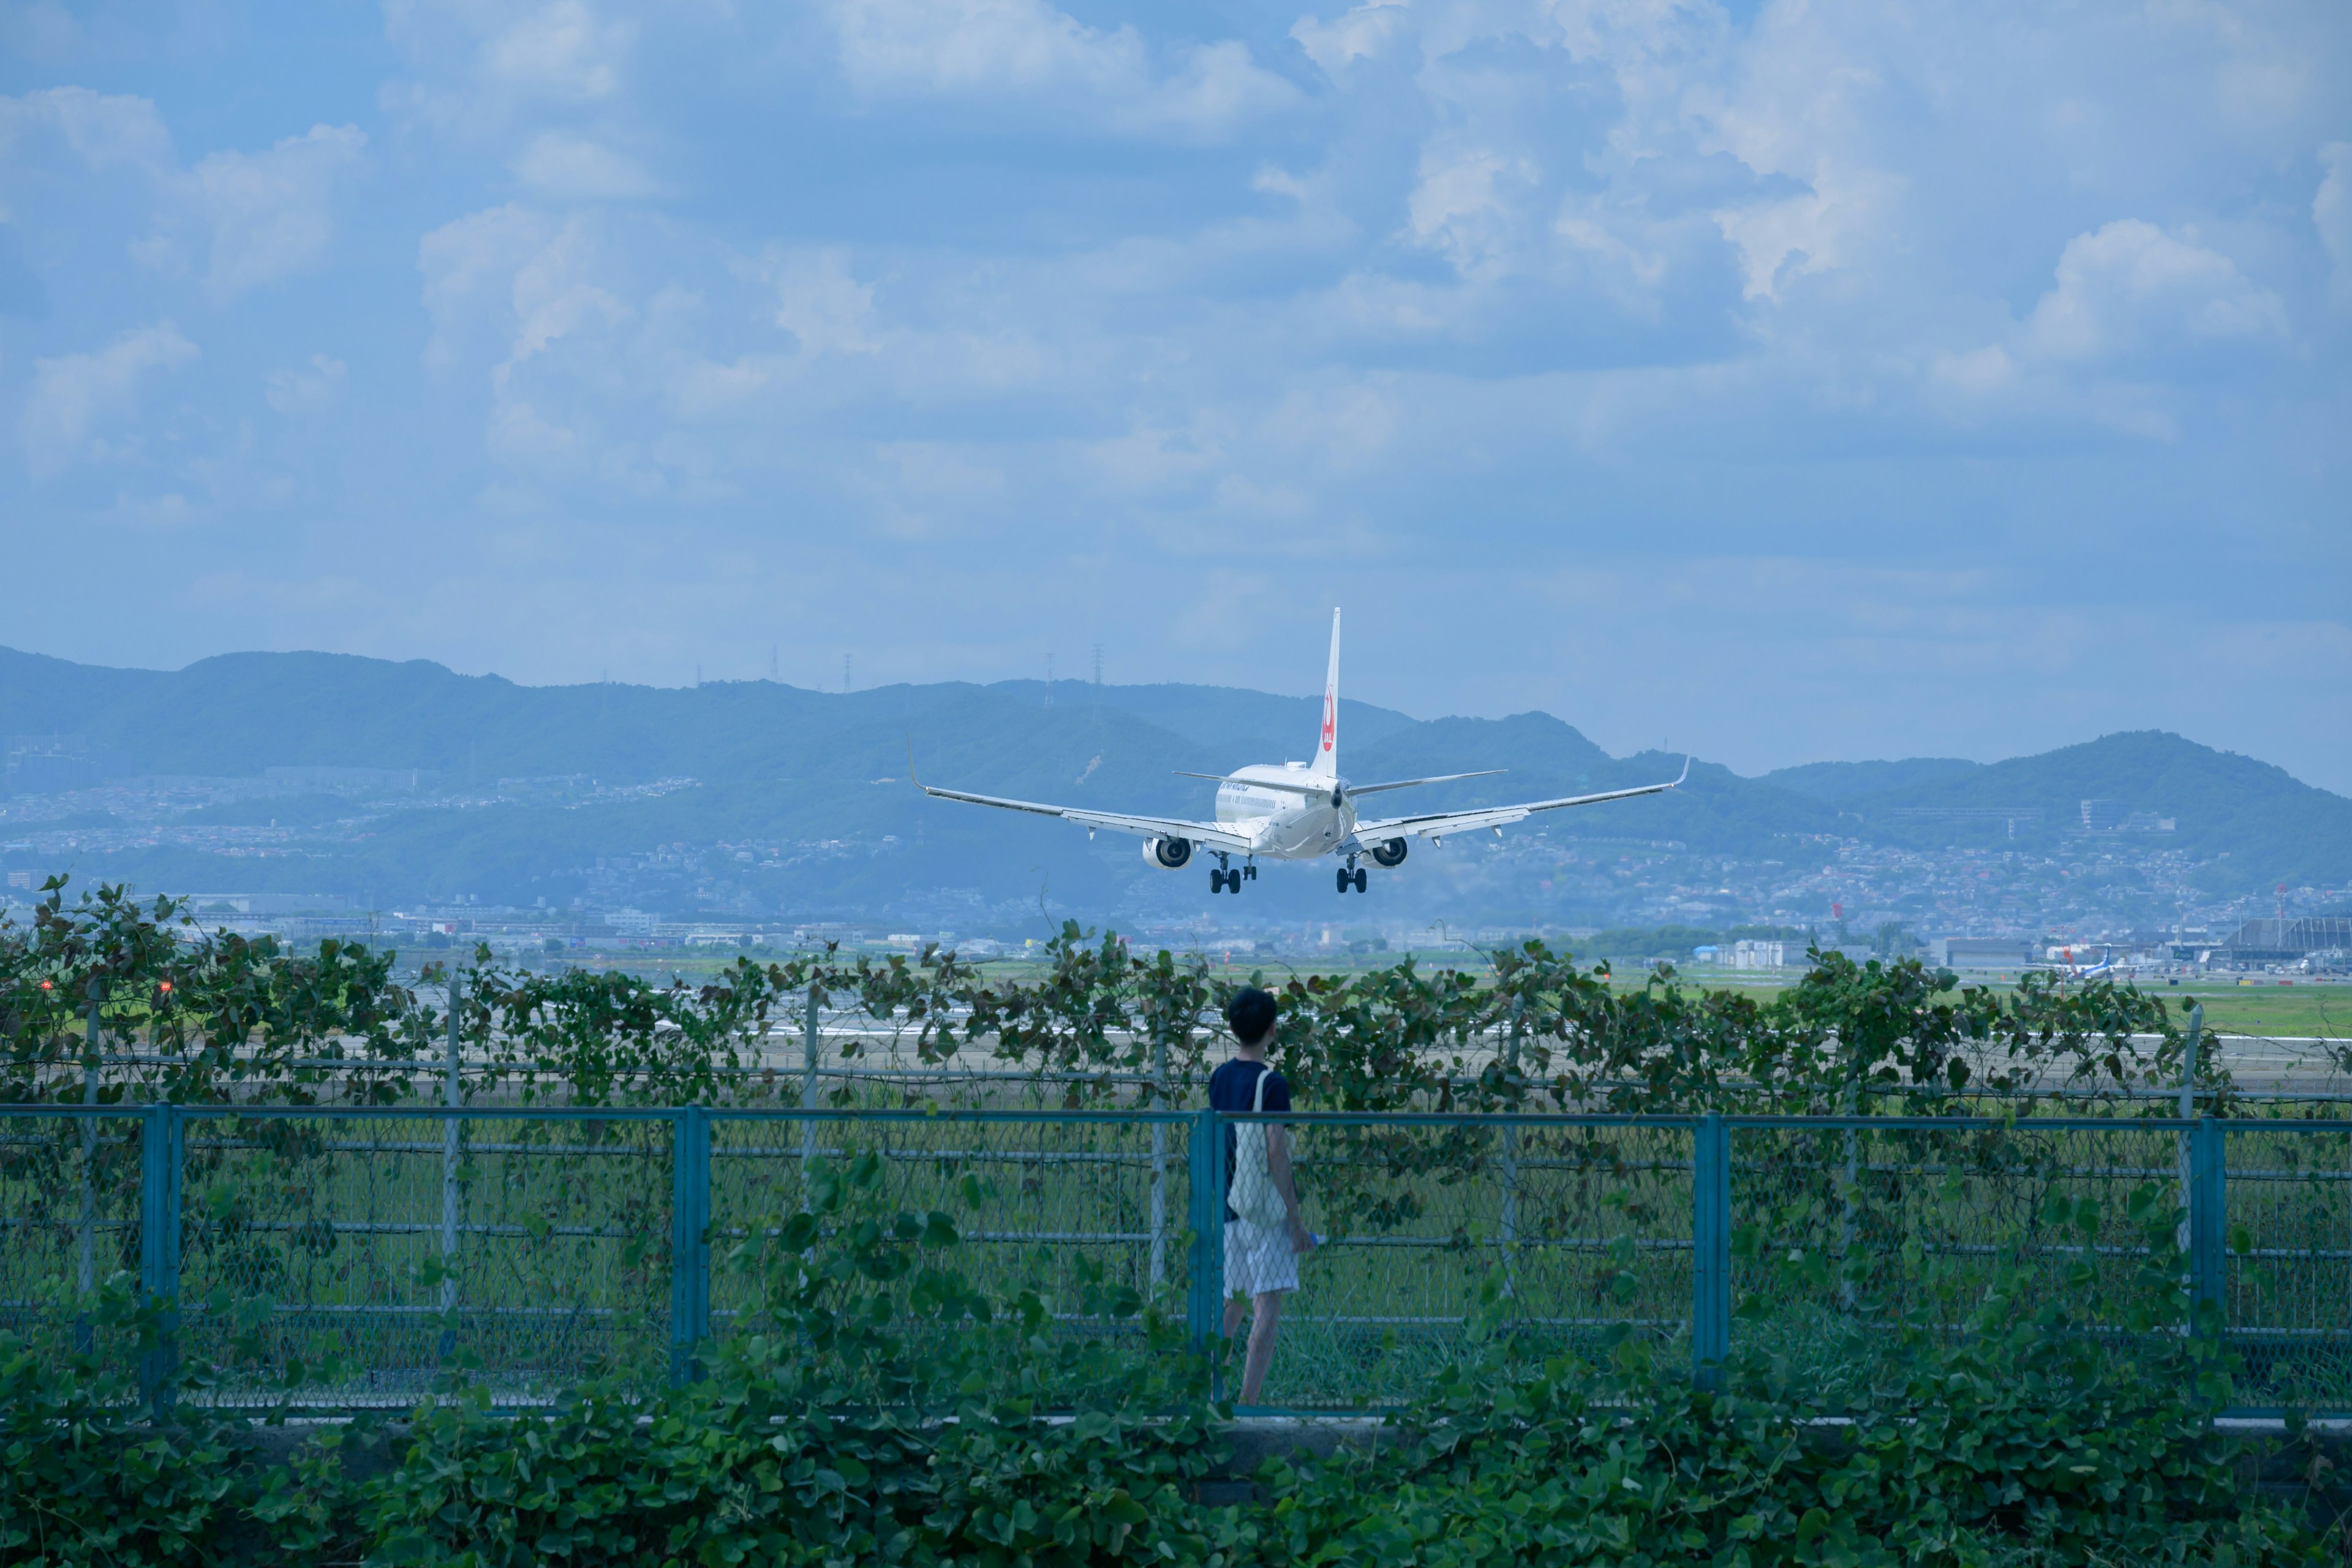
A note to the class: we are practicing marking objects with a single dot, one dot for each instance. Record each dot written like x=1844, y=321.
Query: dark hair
x=1251, y=1015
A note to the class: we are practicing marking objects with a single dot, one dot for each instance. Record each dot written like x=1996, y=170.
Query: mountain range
x=526, y=793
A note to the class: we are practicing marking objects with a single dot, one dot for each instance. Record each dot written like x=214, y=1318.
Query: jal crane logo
x=1330, y=720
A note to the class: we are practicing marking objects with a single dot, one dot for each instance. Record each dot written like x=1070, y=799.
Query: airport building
x=1983, y=951
x=2285, y=941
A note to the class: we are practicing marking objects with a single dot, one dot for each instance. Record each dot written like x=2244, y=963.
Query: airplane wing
x=1352, y=792
x=1213, y=835
x=1283, y=785
x=1435, y=823
x=1355, y=790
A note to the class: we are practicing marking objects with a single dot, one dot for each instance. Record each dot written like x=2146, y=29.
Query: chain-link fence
x=348, y=1257
x=1578, y=1229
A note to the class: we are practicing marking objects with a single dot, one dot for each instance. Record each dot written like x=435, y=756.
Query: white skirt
x=1258, y=1258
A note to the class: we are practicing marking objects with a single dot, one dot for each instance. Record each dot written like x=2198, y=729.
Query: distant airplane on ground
x=1296, y=811
x=2083, y=968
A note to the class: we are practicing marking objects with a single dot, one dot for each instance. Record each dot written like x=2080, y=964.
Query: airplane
x=2086, y=969
x=1296, y=811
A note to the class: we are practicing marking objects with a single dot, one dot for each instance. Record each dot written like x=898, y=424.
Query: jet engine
x=1168, y=852
x=1389, y=853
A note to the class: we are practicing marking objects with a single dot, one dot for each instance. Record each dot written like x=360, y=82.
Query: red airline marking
x=1329, y=723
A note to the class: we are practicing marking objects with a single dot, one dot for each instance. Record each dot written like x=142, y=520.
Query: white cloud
x=1359, y=34
x=1628, y=271
x=2331, y=213
x=73, y=395
x=1977, y=372
x=821, y=303
x=1013, y=51
x=2130, y=285
x=1826, y=227
x=562, y=51
x=563, y=293
x=271, y=213
x=500, y=77
x=308, y=391
x=1468, y=205
x=100, y=128
x=469, y=266
x=520, y=434
x=547, y=310
x=566, y=166
x=1803, y=99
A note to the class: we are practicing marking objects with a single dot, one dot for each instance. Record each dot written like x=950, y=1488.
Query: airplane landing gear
x=1351, y=875
x=1226, y=878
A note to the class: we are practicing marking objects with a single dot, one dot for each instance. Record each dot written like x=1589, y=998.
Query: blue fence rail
x=350, y=1256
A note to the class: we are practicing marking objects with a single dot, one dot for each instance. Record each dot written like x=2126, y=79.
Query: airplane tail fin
x=1327, y=745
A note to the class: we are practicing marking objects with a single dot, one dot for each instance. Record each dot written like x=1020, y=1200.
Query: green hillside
x=1849, y=781
x=1254, y=724
x=779, y=764
x=2268, y=825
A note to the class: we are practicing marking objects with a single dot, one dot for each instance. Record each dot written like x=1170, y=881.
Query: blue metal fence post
x=689, y=1249
x=1205, y=1300
x=1710, y=1249
x=2208, y=1201
x=159, y=1247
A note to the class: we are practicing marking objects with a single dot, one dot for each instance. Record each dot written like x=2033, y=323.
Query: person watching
x=1263, y=1233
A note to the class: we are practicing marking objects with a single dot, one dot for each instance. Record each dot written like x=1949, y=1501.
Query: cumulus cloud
x=1466, y=207
x=821, y=303
x=74, y=395
x=1013, y=51
x=548, y=310
x=267, y=215
x=487, y=60
x=470, y=266
x=271, y=213
x=1815, y=232
x=562, y=50
x=2129, y=286
x=1356, y=34
x=1530, y=274
x=101, y=129
x=2331, y=213
x=566, y=166
x=308, y=391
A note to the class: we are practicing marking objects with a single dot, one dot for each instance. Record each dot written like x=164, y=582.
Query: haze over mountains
x=530, y=790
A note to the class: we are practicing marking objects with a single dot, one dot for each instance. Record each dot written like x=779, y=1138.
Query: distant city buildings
x=48, y=764
x=2111, y=816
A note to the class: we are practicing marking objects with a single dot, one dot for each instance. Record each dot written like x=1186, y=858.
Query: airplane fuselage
x=1282, y=824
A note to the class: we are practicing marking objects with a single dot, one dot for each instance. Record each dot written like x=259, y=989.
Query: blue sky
x=1791, y=381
